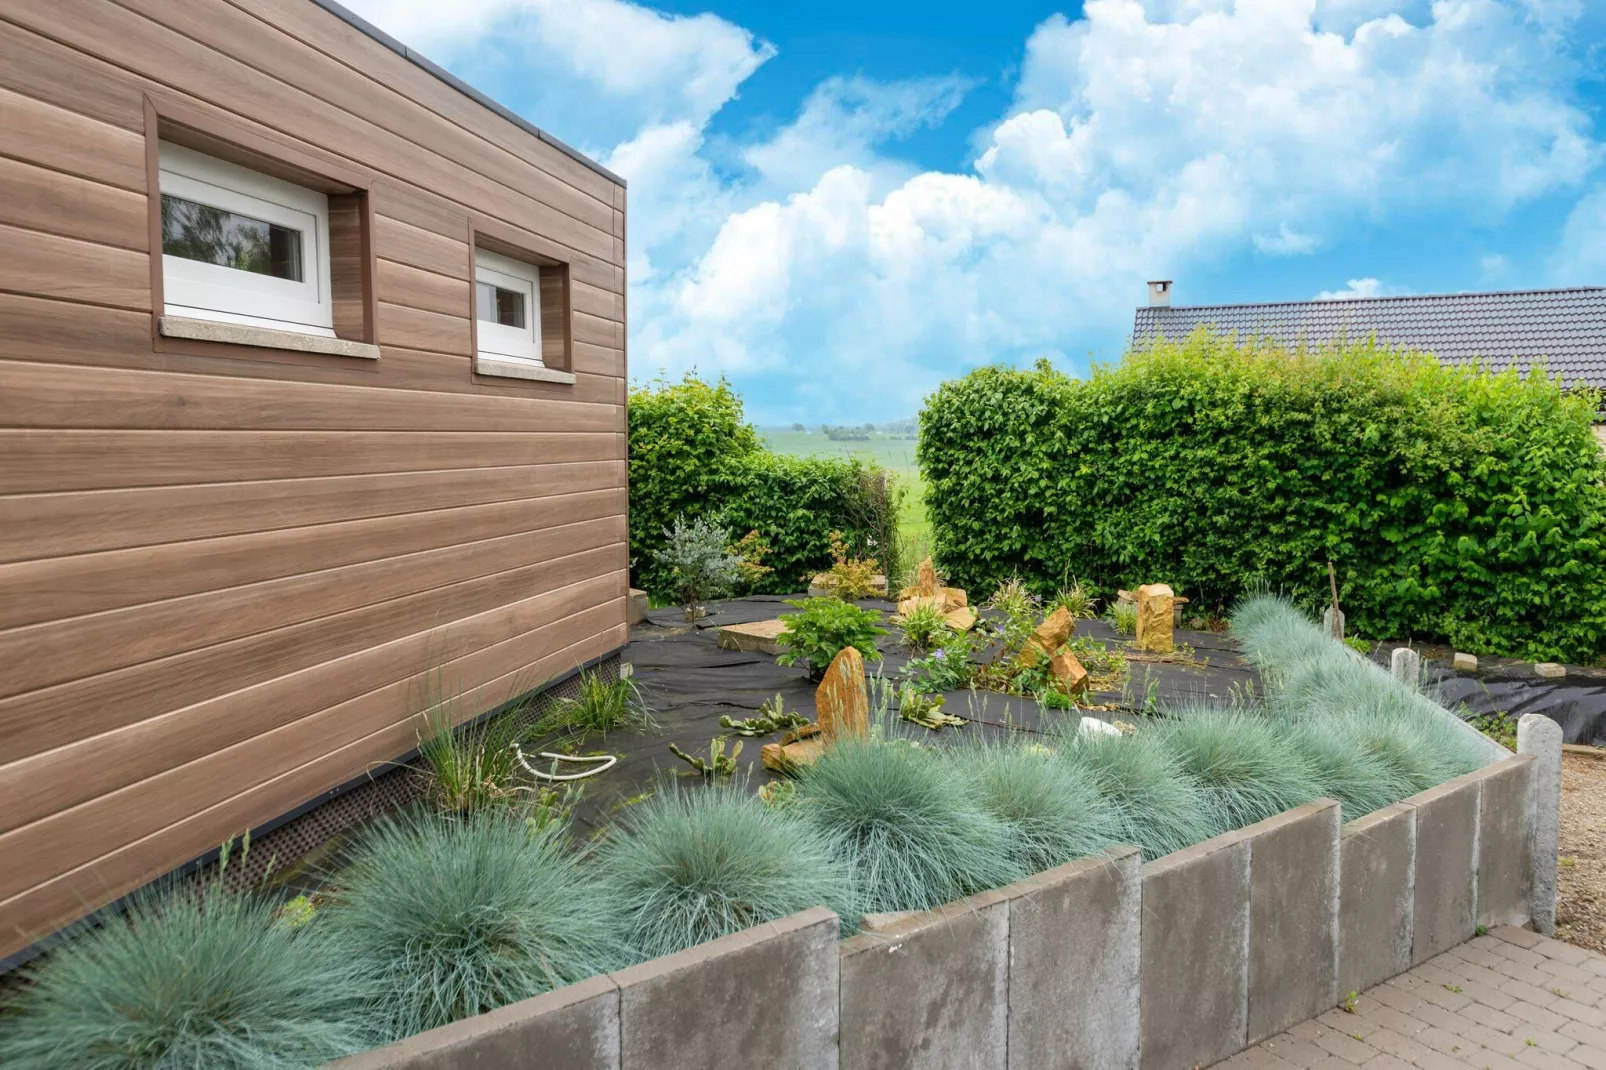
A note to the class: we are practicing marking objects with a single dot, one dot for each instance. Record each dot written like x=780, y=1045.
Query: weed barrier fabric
x=1577, y=702
x=690, y=682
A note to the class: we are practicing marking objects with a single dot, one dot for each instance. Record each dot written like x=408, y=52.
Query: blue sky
x=838, y=205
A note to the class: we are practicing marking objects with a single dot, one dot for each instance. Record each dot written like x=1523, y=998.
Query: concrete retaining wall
x=1103, y=964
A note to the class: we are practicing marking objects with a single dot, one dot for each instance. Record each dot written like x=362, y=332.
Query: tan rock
x=1155, y=610
x=1050, y=635
x=843, y=698
x=926, y=579
x=1068, y=670
x=955, y=597
x=789, y=757
x=936, y=602
x=960, y=620
x=760, y=635
x=636, y=607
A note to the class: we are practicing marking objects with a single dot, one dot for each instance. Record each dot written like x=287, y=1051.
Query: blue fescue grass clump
x=191, y=981
x=1344, y=769
x=1051, y=809
x=690, y=865
x=914, y=834
x=1156, y=804
x=455, y=916
x=1244, y=770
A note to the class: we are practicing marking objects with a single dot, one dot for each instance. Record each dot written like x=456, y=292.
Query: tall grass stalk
x=454, y=916
x=603, y=706
x=915, y=835
x=690, y=865
x=471, y=765
x=191, y=981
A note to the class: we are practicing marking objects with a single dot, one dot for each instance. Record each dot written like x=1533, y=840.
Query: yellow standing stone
x=926, y=579
x=842, y=700
x=1155, y=605
x=1053, y=633
x=1067, y=668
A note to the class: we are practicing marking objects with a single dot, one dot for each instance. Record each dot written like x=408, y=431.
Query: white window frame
x=522, y=345
x=210, y=291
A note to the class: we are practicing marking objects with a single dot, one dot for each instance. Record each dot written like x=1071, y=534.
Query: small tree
x=799, y=427
x=700, y=562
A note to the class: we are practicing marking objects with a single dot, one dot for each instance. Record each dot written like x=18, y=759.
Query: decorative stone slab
x=1505, y=863
x=576, y=1027
x=1067, y=669
x=955, y=597
x=1050, y=635
x=843, y=697
x=1156, y=615
x=1550, y=670
x=930, y=991
x=1465, y=662
x=1293, y=917
x=1074, y=952
x=1405, y=665
x=926, y=579
x=960, y=620
x=766, y=997
x=789, y=757
x=1375, y=899
x=1195, y=977
x=1444, y=912
x=760, y=635
x=637, y=606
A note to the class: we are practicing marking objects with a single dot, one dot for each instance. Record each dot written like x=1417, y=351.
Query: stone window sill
x=512, y=369
x=262, y=337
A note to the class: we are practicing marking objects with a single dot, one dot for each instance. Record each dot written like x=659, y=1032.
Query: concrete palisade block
x=576, y=1027
x=1074, y=955
x=1194, y=1002
x=1505, y=863
x=930, y=991
x=1541, y=737
x=1444, y=908
x=765, y=997
x=1293, y=917
x=1376, y=897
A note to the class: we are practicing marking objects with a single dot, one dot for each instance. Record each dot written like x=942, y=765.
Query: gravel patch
x=1581, y=883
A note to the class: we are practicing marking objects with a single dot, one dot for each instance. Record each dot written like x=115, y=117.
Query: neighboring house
x=312, y=379
x=1565, y=330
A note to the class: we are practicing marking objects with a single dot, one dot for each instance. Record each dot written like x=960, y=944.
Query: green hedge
x=692, y=452
x=1457, y=505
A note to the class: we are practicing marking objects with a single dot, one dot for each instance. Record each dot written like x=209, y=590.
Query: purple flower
x=940, y=654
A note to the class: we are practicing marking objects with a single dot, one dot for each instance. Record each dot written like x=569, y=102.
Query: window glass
x=210, y=235
x=497, y=305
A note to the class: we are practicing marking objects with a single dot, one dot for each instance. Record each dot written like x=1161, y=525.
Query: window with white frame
x=507, y=308
x=243, y=247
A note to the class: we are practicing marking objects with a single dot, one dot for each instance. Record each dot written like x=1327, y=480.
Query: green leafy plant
x=924, y=628
x=925, y=710
x=1212, y=460
x=690, y=866
x=717, y=764
x=452, y=917
x=1123, y=617
x=603, y=706
x=772, y=717
x=823, y=629
x=1359, y=645
x=699, y=561
x=914, y=836
x=849, y=577
x=196, y=980
x=1020, y=609
x=948, y=668
x=1076, y=599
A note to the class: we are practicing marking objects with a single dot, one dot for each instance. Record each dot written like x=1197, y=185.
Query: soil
x=1581, y=877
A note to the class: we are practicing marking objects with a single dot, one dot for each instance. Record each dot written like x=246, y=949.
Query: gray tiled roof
x=1565, y=329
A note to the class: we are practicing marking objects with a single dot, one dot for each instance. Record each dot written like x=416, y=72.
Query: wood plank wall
x=222, y=574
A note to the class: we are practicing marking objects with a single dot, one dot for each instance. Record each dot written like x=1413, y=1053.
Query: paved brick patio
x=1511, y=1000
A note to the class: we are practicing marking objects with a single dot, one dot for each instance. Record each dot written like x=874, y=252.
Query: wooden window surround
x=557, y=336
x=354, y=303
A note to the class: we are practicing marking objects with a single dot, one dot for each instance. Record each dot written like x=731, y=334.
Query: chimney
x=1160, y=293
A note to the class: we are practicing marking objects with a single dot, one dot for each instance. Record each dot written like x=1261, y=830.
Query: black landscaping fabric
x=689, y=682
x=1577, y=701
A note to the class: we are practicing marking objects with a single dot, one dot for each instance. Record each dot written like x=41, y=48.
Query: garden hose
x=603, y=763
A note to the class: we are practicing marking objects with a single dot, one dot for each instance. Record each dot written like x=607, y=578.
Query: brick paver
x=1510, y=1000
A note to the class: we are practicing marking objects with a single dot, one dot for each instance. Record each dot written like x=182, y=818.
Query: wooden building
x=312, y=381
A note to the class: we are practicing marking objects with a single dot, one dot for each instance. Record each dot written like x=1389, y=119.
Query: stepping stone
x=1466, y=662
x=760, y=635
x=1550, y=670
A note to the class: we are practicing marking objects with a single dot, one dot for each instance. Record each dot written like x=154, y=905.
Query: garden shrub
x=688, y=866
x=1457, y=504
x=823, y=629
x=191, y=981
x=915, y=837
x=453, y=917
x=693, y=454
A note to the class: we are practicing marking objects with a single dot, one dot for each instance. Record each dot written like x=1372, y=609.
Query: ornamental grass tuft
x=455, y=916
x=1344, y=769
x=1052, y=809
x=690, y=865
x=1241, y=763
x=914, y=834
x=1159, y=807
x=197, y=981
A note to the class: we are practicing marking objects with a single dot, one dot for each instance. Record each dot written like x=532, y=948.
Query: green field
x=896, y=455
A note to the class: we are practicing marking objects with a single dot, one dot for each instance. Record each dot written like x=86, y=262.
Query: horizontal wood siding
x=226, y=572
